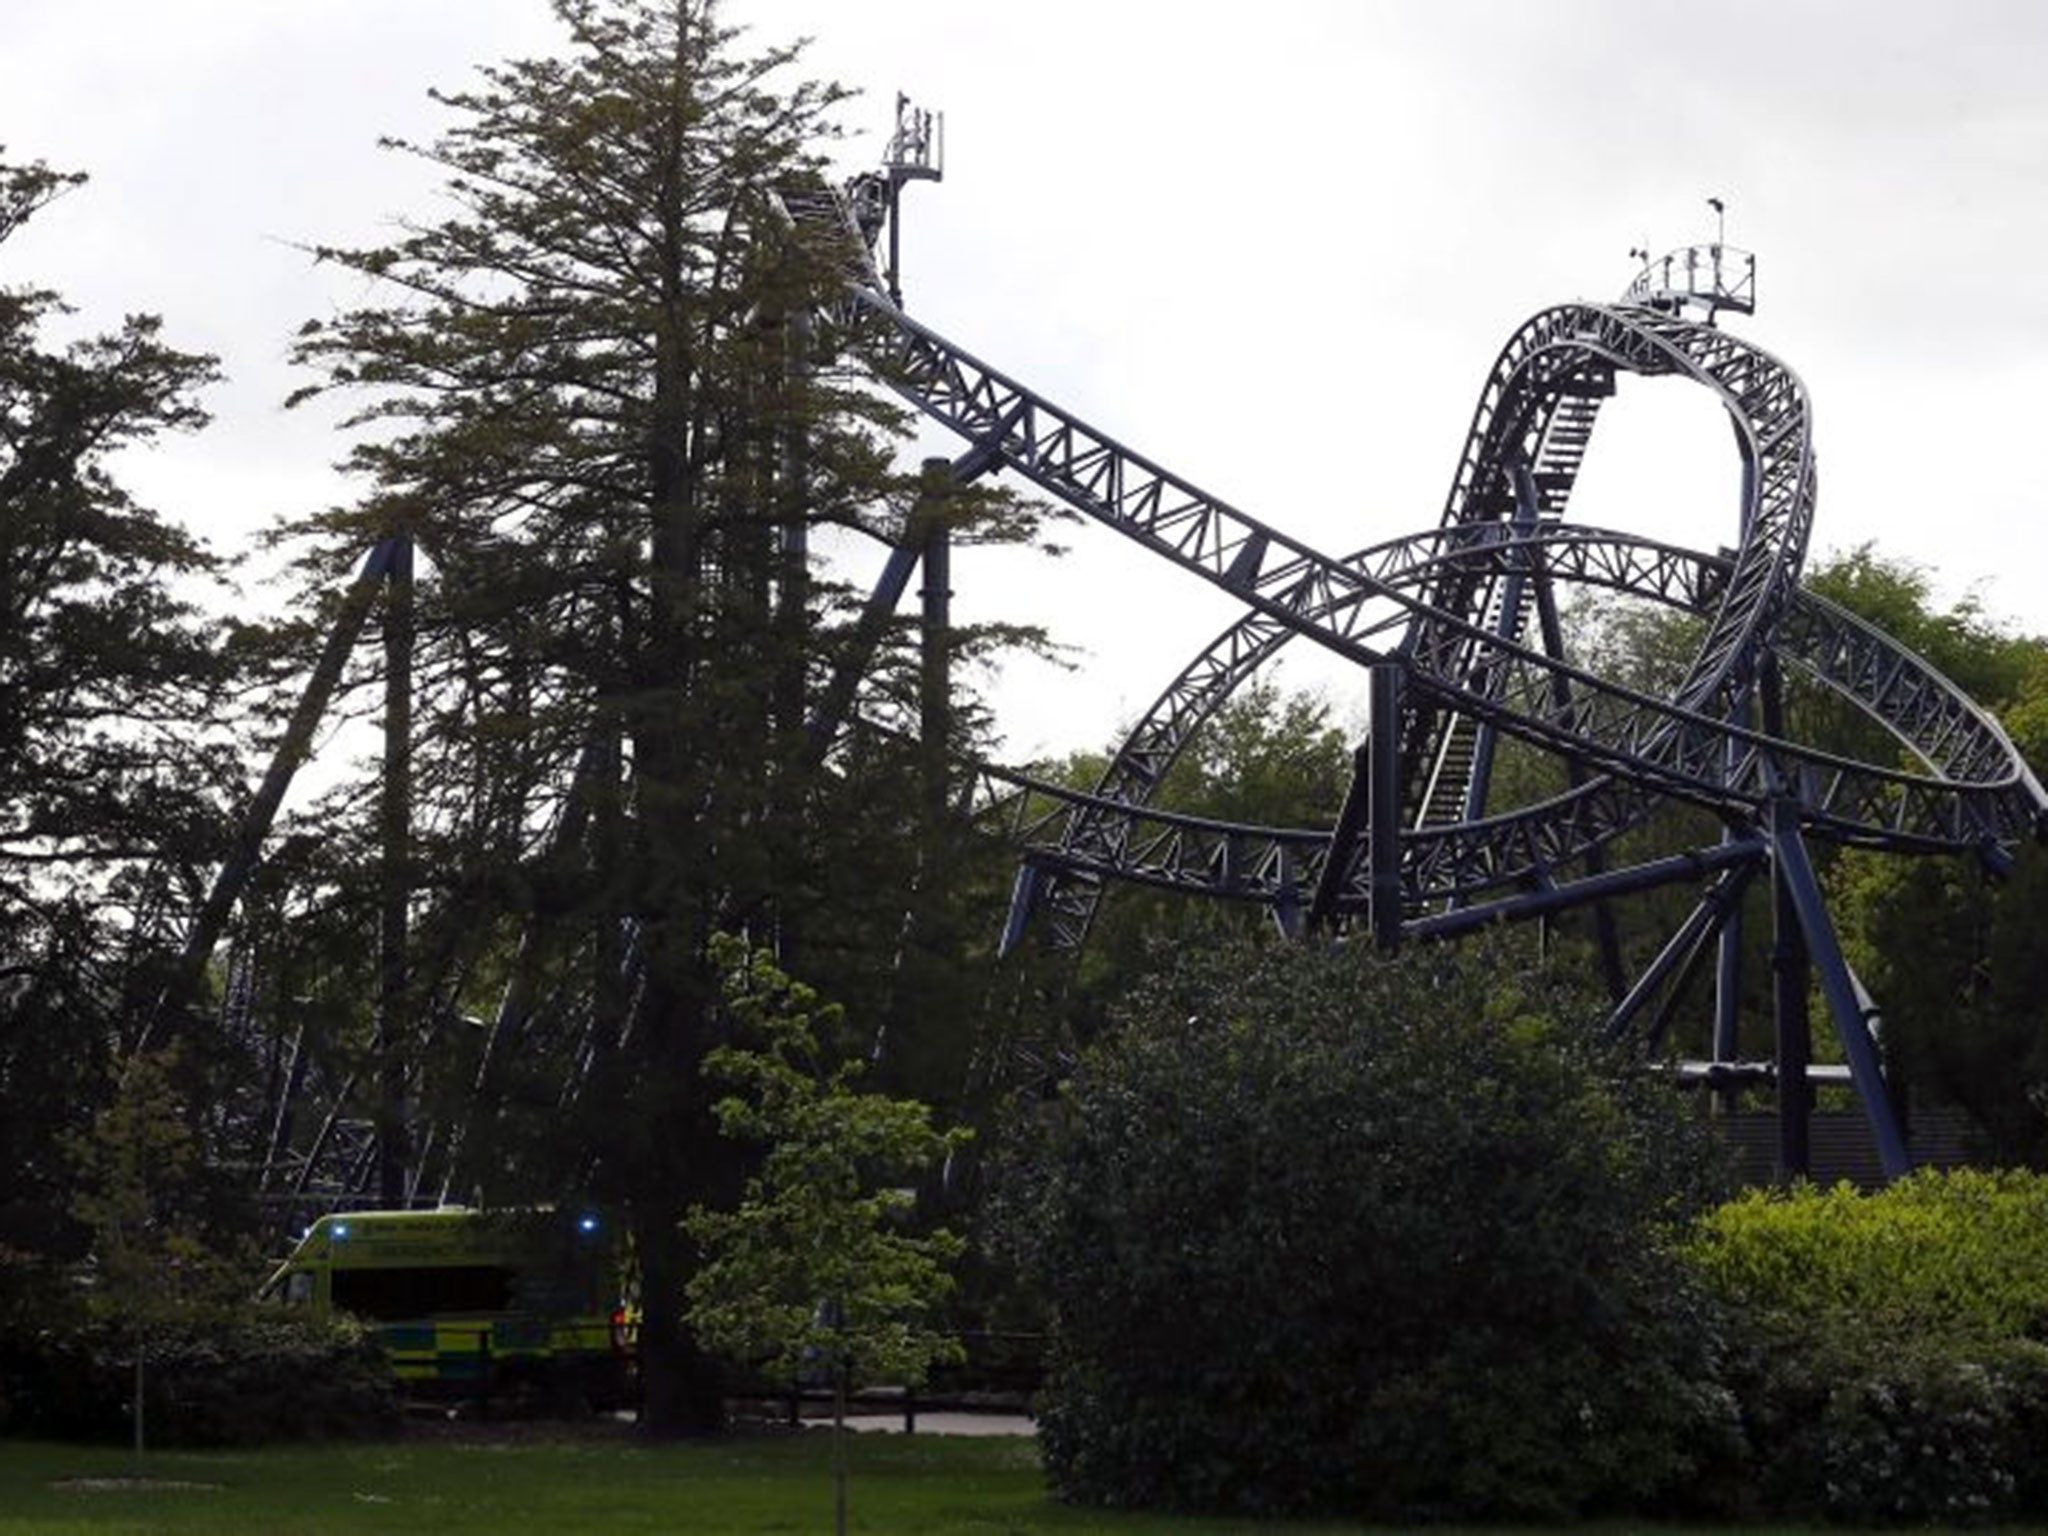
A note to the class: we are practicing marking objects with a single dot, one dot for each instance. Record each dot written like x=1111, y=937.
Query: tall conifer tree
x=590, y=398
x=107, y=676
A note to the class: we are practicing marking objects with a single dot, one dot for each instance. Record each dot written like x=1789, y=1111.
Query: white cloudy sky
x=1273, y=246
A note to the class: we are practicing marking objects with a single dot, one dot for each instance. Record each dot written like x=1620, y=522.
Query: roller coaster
x=1460, y=631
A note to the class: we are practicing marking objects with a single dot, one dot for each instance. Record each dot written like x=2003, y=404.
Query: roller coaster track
x=1462, y=622
x=1685, y=746
x=1112, y=834
x=1441, y=621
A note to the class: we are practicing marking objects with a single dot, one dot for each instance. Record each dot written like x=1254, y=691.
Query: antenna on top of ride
x=1709, y=278
x=916, y=152
x=917, y=149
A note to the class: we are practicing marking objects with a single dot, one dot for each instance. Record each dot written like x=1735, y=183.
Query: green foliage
x=818, y=1265
x=1267, y=757
x=109, y=679
x=1961, y=966
x=139, y=1179
x=218, y=1376
x=1643, y=645
x=154, y=1326
x=150, y=1272
x=593, y=392
x=1967, y=645
x=1324, y=1230
x=1959, y=1253
x=1958, y=961
x=2025, y=716
x=1863, y=1427
x=1892, y=1366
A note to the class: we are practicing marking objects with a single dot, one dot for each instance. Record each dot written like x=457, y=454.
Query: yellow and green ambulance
x=466, y=1302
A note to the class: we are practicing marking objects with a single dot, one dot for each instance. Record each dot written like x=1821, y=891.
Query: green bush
x=1945, y=1252
x=1322, y=1231
x=1892, y=1368
x=1865, y=1428
x=212, y=1378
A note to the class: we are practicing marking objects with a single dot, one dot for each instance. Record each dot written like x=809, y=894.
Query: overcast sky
x=1274, y=246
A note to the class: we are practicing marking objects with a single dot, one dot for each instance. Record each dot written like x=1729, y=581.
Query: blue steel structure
x=1458, y=631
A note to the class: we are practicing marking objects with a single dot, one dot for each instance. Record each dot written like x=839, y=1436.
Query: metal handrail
x=1713, y=277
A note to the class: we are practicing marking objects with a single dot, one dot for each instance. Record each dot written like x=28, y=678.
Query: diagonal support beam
x=1383, y=804
x=920, y=542
x=1343, y=846
x=1726, y=899
x=1838, y=986
x=1598, y=888
x=1680, y=957
x=830, y=715
x=1023, y=902
x=240, y=864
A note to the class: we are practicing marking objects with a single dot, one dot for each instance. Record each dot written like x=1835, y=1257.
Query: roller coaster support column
x=240, y=863
x=935, y=676
x=911, y=546
x=1507, y=625
x=1728, y=972
x=1799, y=893
x=1551, y=627
x=1383, y=803
x=1794, y=1035
x=395, y=828
x=792, y=600
x=1791, y=974
x=1728, y=968
x=915, y=153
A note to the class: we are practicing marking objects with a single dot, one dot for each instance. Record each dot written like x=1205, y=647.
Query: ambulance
x=471, y=1303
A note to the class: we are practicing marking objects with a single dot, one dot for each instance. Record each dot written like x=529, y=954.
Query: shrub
x=1862, y=1427
x=1325, y=1231
x=1892, y=1369
x=214, y=1378
x=1943, y=1252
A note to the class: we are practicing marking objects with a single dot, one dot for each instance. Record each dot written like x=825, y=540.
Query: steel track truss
x=1460, y=629
x=1111, y=834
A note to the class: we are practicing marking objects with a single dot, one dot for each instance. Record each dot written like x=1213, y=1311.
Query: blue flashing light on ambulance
x=466, y=1302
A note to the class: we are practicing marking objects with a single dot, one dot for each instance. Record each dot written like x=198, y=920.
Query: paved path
x=936, y=1421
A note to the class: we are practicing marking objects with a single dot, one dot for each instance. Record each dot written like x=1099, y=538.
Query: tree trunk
x=681, y=1391
x=839, y=1451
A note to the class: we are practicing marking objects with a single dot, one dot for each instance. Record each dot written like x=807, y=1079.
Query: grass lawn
x=918, y=1486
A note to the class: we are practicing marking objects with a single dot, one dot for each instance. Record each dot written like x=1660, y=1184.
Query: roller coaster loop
x=1459, y=631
